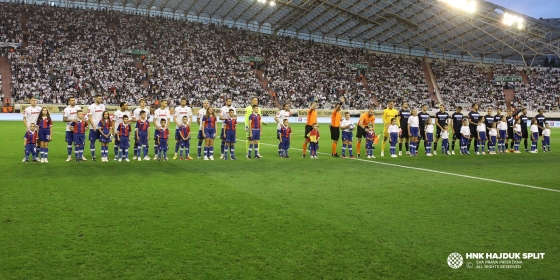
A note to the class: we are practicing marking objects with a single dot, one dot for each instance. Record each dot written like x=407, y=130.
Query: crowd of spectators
x=462, y=84
x=83, y=52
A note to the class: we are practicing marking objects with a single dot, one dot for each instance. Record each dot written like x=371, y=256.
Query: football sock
x=525, y=143
x=222, y=147
x=92, y=148
x=249, y=150
x=69, y=148
x=304, y=147
x=200, y=147
x=406, y=146
x=333, y=148
x=400, y=147
x=359, y=144
x=343, y=150
x=256, y=149
x=231, y=150
x=177, y=147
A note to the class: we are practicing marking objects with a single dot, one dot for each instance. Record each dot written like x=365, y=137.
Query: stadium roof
x=428, y=24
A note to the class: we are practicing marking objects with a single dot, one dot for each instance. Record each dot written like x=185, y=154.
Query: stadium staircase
x=264, y=83
x=431, y=82
x=114, y=37
x=524, y=77
x=509, y=96
x=491, y=74
x=6, y=72
x=368, y=90
x=25, y=42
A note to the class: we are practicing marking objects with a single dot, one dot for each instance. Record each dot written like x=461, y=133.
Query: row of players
x=102, y=126
x=507, y=128
x=97, y=112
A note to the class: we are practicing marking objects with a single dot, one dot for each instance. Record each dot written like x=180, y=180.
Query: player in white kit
x=70, y=115
x=95, y=114
x=224, y=115
x=181, y=111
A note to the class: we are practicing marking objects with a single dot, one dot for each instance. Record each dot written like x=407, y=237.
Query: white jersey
x=96, y=112
x=429, y=128
x=546, y=132
x=534, y=128
x=201, y=113
x=413, y=121
x=502, y=126
x=517, y=128
x=161, y=114
x=71, y=113
x=481, y=127
x=465, y=130
x=136, y=113
x=493, y=132
x=282, y=115
x=444, y=134
x=118, y=118
x=346, y=122
x=224, y=113
x=393, y=128
x=179, y=113
x=31, y=114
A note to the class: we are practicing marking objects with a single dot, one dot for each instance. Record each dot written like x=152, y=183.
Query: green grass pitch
x=274, y=218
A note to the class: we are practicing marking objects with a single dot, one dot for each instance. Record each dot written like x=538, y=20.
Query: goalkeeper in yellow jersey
x=388, y=115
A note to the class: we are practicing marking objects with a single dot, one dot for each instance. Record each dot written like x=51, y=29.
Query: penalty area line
x=435, y=171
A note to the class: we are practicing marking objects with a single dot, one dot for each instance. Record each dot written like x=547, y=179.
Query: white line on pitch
x=435, y=171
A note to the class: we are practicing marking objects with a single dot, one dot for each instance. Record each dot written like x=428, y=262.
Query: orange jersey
x=335, y=118
x=311, y=117
x=366, y=119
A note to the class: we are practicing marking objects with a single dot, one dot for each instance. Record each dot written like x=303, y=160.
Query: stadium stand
x=125, y=56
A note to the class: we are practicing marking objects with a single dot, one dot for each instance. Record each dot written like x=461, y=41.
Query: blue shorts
x=414, y=131
x=516, y=136
x=285, y=144
x=104, y=139
x=429, y=137
x=93, y=135
x=162, y=144
x=546, y=140
x=142, y=138
x=178, y=134
x=79, y=138
x=44, y=135
x=346, y=136
x=210, y=132
x=535, y=136
x=369, y=143
x=255, y=135
x=230, y=136
x=69, y=137
x=394, y=137
x=481, y=136
x=492, y=140
x=464, y=141
x=199, y=135
x=185, y=143
x=502, y=134
x=124, y=143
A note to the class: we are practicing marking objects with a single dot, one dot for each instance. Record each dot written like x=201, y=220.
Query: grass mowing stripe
x=434, y=171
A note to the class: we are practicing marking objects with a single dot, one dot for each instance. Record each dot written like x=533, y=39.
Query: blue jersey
x=209, y=122
x=31, y=137
x=255, y=121
x=142, y=126
x=230, y=124
x=79, y=126
x=124, y=129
